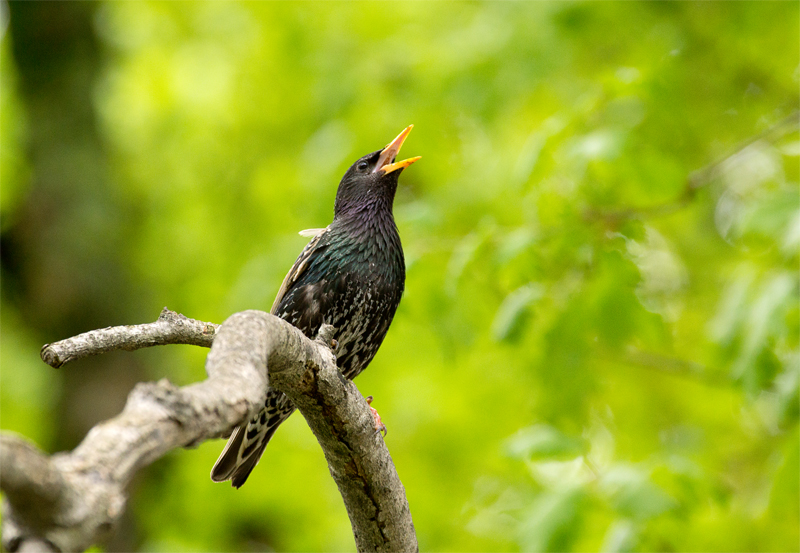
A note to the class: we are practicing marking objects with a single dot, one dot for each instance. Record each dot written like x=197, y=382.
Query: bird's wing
x=299, y=266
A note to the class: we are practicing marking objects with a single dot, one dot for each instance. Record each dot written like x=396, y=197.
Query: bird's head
x=372, y=179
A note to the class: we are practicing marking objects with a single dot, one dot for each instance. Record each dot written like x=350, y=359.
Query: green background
x=598, y=344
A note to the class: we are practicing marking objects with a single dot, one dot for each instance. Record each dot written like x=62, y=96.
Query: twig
x=697, y=179
x=634, y=357
x=702, y=177
x=170, y=328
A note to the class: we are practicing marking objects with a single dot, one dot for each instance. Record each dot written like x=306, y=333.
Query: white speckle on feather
x=311, y=232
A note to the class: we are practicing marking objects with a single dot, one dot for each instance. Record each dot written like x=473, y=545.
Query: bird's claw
x=325, y=336
x=379, y=426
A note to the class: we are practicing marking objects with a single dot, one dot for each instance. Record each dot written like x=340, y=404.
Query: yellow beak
x=388, y=154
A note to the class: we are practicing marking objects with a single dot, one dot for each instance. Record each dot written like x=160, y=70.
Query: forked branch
x=69, y=501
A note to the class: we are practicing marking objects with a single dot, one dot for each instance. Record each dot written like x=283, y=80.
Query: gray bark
x=69, y=501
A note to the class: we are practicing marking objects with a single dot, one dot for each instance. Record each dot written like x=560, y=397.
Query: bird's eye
x=363, y=165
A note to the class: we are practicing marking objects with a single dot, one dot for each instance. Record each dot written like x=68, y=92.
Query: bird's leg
x=379, y=426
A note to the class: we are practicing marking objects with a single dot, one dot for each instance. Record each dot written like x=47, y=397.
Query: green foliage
x=598, y=346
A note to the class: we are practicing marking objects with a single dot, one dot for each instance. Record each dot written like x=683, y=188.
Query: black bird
x=350, y=275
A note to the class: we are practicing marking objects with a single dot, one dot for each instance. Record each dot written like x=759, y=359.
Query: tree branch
x=72, y=500
x=170, y=328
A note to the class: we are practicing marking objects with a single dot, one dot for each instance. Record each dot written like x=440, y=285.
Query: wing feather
x=299, y=267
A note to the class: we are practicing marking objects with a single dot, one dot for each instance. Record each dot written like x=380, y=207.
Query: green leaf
x=632, y=494
x=511, y=314
x=551, y=523
x=543, y=441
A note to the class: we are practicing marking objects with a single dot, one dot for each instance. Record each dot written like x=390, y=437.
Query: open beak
x=386, y=161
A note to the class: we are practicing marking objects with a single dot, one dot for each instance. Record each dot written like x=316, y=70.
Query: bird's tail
x=248, y=441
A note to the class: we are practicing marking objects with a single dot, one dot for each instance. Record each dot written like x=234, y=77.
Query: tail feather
x=248, y=441
x=243, y=470
x=228, y=459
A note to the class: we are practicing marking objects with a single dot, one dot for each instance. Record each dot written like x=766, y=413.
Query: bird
x=350, y=275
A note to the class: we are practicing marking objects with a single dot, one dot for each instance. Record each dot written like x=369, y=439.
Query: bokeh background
x=598, y=345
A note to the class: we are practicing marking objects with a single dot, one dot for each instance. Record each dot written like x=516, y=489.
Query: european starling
x=350, y=275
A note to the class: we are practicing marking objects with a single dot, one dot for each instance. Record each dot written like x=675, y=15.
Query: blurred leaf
x=790, y=243
x=621, y=536
x=561, y=474
x=764, y=318
x=632, y=493
x=551, y=522
x=510, y=315
x=464, y=253
x=724, y=326
x=541, y=441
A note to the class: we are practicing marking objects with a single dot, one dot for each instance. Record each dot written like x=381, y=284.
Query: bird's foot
x=379, y=426
x=325, y=337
